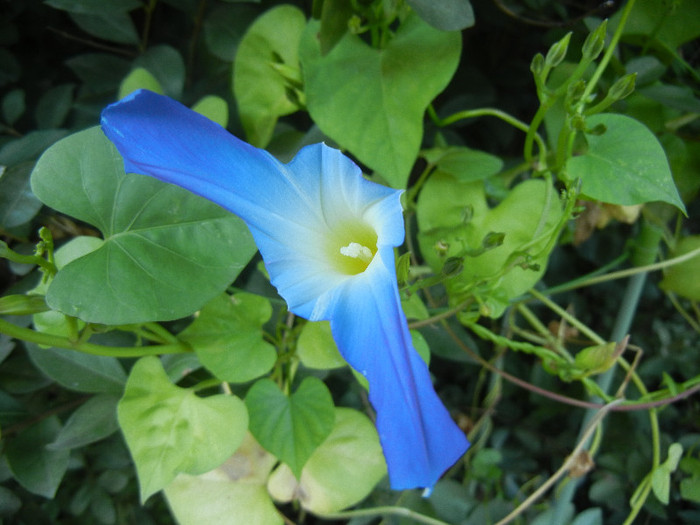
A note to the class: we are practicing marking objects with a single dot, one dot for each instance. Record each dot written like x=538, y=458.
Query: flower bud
x=623, y=87
x=22, y=304
x=595, y=42
x=537, y=64
x=557, y=52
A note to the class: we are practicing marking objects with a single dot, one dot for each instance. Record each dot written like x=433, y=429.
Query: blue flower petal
x=326, y=235
x=419, y=438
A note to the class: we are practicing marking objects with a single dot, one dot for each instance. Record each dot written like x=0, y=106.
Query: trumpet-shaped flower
x=327, y=237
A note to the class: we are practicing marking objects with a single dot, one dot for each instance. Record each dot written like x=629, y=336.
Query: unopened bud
x=537, y=64
x=452, y=266
x=623, y=87
x=595, y=42
x=22, y=304
x=557, y=52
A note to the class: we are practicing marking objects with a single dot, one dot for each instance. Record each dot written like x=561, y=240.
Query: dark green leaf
x=170, y=430
x=79, y=371
x=95, y=6
x=113, y=27
x=227, y=337
x=54, y=105
x=11, y=410
x=166, y=253
x=93, y=421
x=448, y=15
x=291, y=427
x=166, y=64
x=625, y=165
x=13, y=106
x=36, y=468
x=30, y=146
x=100, y=72
x=18, y=204
x=224, y=28
x=372, y=101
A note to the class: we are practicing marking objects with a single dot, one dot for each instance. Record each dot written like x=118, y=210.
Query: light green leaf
x=233, y=493
x=464, y=164
x=260, y=90
x=166, y=253
x=624, y=165
x=93, y=421
x=340, y=473
x=290, y=427
x=372, y=101
x=170, y=430
x=166, y=64
x=227, y=337
x=316, y=347
x=35, y=467
x=139, y=78
x=683, y=278
x=661, y=476
x=214, y=108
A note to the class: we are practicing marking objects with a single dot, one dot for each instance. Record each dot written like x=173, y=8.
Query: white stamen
x=357, y=251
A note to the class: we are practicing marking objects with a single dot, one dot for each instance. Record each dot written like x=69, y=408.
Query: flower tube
x=327, y=237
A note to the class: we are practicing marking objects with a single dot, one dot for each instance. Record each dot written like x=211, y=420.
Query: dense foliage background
x=445, y=98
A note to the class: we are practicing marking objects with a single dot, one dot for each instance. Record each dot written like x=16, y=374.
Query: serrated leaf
x=372, y=101
x=170, y=430
x=261, y=91
x=79, y=371
x=166, y=252
x=93, y=421
x=227, y=337
x=35, y=467
x=340, y=473
x=624, y=165
x=290, y=427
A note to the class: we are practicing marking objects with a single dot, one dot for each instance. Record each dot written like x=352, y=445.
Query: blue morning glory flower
x=327, y=237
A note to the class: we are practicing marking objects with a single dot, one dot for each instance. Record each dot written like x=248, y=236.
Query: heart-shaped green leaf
x=291, y=427
x=455, y=220
x=227, y=337
x=166, y=252
x=37, y=468
x=170, y=430
x=260, y=88
x=371, y=101
x=233, y=493
x=340, y=473
x=624, y=165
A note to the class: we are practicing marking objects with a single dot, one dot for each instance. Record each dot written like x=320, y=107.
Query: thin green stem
x=26, y=334
x=565, y=467
x=603, y=64
x=497, y=113
x=384, y=511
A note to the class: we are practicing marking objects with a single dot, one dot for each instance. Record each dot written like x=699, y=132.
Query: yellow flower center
x=352, y=247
